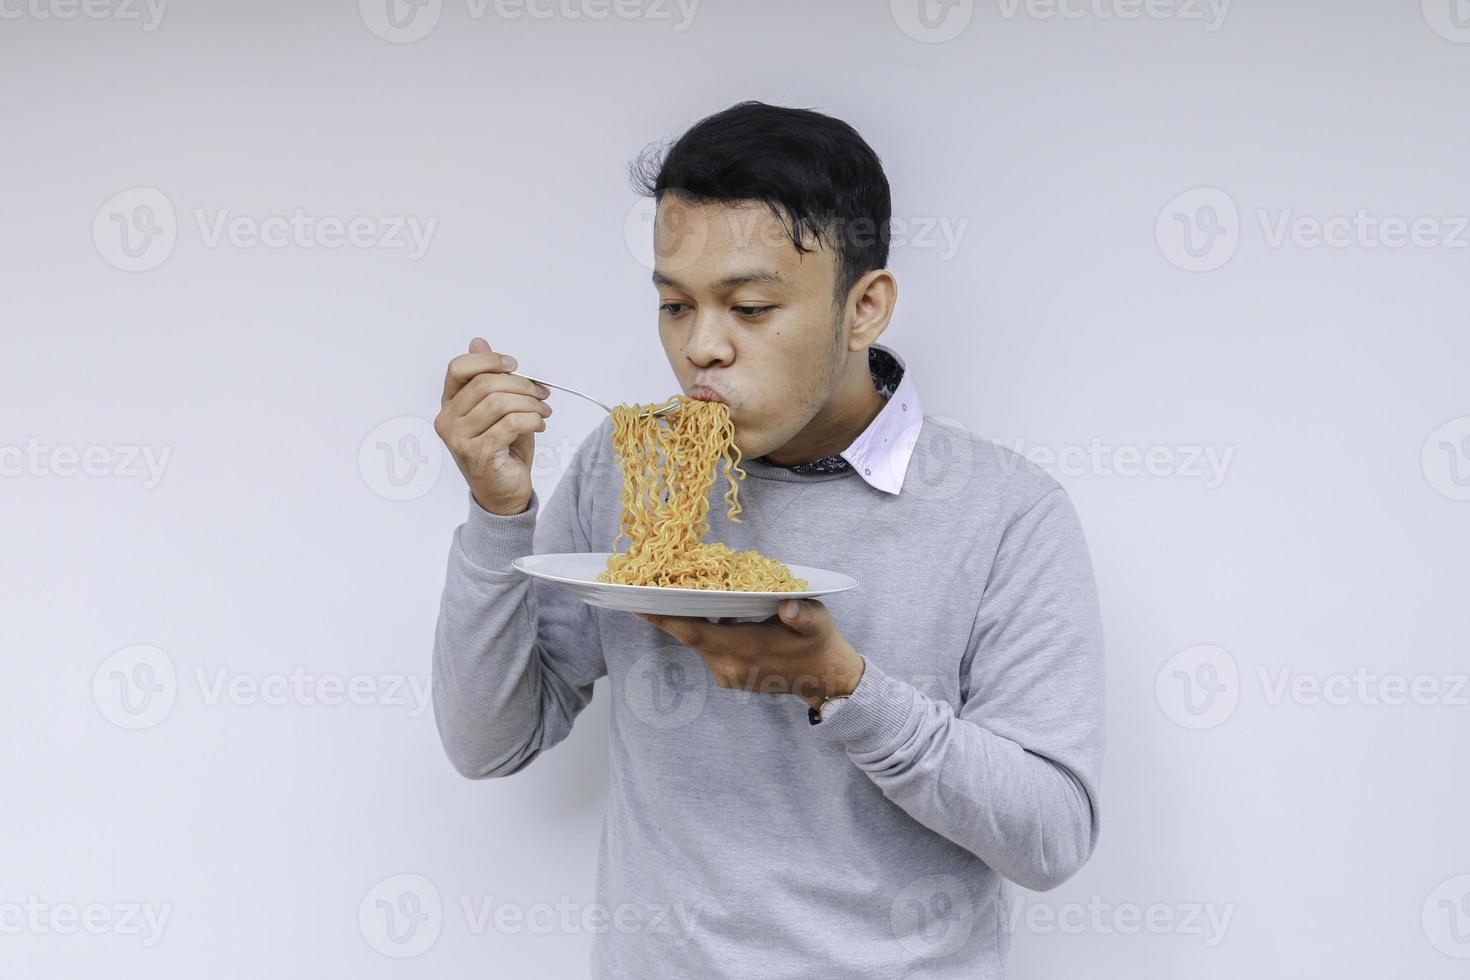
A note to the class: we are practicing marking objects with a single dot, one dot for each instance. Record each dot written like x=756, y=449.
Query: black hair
x=815, y=173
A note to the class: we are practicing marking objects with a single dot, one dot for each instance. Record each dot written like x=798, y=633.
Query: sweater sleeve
x=515, y=658
x=1013, y=774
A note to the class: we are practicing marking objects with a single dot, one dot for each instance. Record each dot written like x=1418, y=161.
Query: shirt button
x=867, y=472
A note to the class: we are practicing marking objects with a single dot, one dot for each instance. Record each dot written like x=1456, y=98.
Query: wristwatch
x=825, y=708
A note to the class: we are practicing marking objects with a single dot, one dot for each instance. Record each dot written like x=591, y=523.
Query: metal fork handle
x=573, y=391
x=581, y=394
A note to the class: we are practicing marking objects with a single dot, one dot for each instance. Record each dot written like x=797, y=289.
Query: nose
x=709, y=341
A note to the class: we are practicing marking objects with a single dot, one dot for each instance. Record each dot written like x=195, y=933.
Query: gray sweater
x=739, y=839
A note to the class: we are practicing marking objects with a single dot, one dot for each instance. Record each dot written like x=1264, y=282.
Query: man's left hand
x=798, y=651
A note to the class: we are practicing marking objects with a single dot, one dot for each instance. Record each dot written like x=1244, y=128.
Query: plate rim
x=674, y=589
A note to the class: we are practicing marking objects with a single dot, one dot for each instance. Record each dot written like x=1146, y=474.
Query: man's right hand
x=488, y=418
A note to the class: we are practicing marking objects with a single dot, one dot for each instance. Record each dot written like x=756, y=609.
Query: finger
x=475, y=389
x=466, y=367
x=495, y=406
x=499, y=437
x=802, y=615
x=479, y=346
x=681, y=628
x=656, y=621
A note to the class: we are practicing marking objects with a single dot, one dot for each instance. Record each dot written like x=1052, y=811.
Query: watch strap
x=814, y=715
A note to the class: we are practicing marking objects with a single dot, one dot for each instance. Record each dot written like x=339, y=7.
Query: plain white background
x=1160, y=259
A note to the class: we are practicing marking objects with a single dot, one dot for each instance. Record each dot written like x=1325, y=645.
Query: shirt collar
x=882, y=451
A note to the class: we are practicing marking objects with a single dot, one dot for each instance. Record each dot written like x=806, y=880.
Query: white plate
x=579, y=570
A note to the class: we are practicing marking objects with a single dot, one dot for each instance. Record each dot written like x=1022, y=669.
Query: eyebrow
x=768, y=276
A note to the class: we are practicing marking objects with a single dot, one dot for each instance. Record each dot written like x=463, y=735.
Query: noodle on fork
x=668, y=466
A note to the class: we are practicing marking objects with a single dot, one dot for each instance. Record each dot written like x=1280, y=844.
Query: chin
x=746, y=441
x=754, y=444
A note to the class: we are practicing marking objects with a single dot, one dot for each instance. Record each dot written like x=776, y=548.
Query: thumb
x=479, y=346
x=800, y=614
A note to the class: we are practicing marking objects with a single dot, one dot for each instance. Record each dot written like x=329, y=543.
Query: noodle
x=668, y=466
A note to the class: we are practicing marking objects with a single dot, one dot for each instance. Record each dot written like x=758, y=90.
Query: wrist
x=840, y=680
x=500, y=509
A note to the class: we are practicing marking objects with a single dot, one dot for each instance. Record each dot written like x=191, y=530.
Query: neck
x=840, y=421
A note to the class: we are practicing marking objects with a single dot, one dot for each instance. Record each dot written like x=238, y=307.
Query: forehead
x=705, y=243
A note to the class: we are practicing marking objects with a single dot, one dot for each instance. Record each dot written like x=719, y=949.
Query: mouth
x=706, y=394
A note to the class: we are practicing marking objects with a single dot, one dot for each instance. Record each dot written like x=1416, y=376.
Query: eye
x=670, y=308
x=753, y=311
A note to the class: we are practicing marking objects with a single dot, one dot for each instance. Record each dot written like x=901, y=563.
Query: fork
x=656, y=413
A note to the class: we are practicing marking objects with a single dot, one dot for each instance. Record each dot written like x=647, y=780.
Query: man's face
x=740, y=310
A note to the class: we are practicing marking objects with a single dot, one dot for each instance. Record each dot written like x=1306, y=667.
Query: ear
x=871, y=301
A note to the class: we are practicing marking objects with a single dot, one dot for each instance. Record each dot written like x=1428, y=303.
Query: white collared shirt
x=881, y=452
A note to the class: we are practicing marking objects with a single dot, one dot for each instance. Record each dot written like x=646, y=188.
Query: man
x=943, y=729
